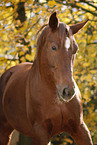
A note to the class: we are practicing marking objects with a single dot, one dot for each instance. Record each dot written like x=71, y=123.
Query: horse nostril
x=65, y=92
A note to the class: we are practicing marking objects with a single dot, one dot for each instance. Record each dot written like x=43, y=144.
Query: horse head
x=56, y=50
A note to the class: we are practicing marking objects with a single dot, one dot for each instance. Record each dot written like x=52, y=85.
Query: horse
x=42, y=99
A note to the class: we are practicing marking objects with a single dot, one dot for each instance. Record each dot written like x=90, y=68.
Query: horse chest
x=53, y=120
x=60, y=117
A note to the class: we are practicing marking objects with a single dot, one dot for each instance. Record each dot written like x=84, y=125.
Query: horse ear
x=53, y=21
x=76, y=27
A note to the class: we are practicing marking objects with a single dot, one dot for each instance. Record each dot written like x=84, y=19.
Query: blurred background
x=19, y=22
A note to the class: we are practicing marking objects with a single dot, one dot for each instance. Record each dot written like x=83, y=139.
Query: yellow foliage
x=22, y=59
x=28, y=57
x=51, y=3
x=93, y=71
x=86, y=64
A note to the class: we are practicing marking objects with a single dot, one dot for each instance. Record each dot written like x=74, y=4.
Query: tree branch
x=91, y=43
x=74, y=5
x=87, y=2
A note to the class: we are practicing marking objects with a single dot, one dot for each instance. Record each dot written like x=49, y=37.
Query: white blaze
x=67, y=43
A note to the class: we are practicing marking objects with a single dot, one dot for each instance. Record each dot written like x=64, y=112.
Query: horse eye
x=54, y=48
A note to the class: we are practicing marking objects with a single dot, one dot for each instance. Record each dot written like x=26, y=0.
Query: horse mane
x=42, y=33
x=41, y=29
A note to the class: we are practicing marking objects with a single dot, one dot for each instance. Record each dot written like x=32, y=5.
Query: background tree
x=19, y=22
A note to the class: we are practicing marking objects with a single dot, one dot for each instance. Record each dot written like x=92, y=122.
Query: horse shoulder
x=14, y=87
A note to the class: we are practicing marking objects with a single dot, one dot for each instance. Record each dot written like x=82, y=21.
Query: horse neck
x=34, y=69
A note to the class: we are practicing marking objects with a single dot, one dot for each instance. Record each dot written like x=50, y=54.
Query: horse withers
x=42, y=99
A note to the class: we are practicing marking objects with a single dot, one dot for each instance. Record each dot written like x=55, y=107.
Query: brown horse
x=42, y=99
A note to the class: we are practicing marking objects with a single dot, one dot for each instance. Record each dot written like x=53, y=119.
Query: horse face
x=59, y=48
